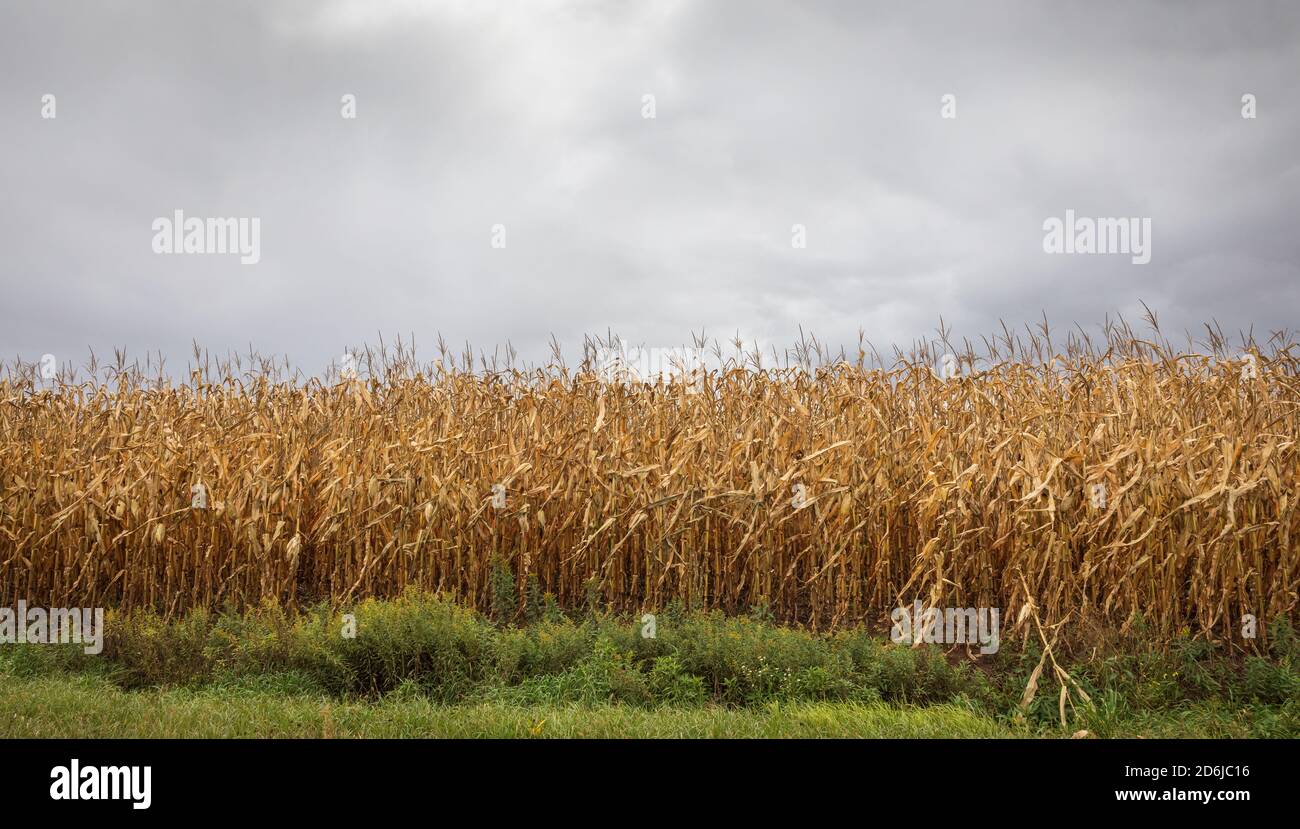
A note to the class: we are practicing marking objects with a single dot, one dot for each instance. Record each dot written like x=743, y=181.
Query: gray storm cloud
x=530, y=116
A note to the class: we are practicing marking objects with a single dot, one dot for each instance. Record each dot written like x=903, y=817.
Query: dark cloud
x=768, y=115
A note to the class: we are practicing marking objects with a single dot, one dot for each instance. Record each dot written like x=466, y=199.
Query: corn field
x=1096, y=484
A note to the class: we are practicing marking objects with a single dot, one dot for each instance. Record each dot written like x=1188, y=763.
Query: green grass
x=421, y=665
x=90, y=707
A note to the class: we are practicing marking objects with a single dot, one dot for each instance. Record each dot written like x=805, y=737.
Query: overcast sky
x=531, y=116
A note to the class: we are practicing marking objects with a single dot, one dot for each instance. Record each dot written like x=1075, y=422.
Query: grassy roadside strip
x=89, y=707
x=85, y=706
x=422, y=665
